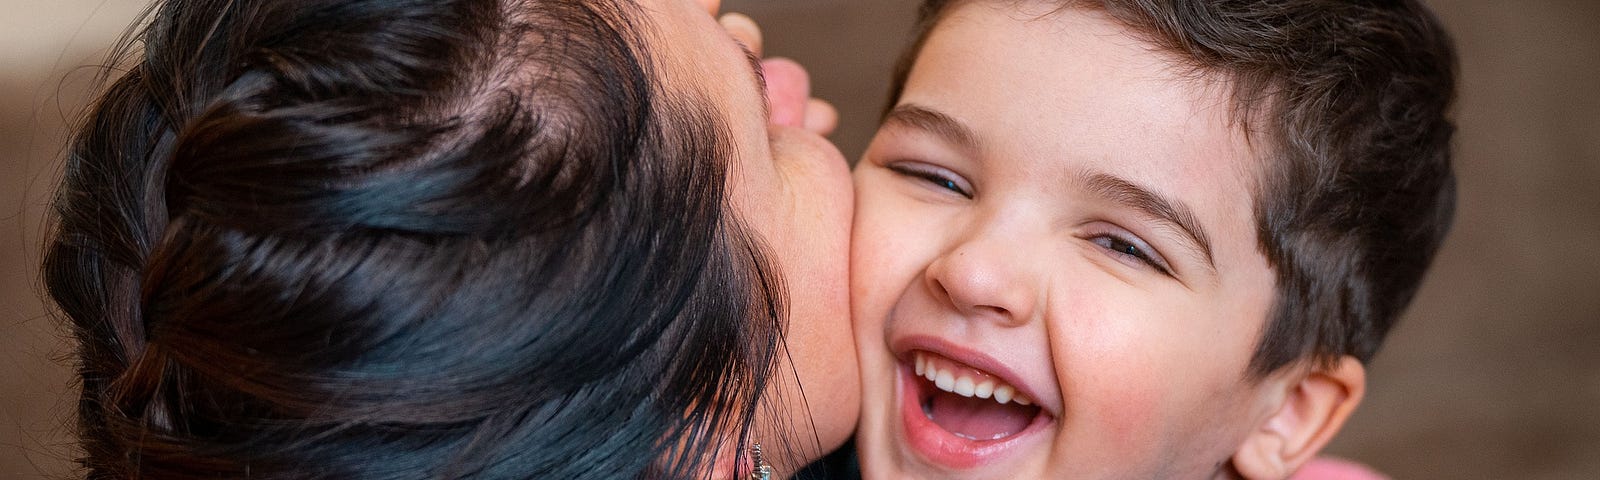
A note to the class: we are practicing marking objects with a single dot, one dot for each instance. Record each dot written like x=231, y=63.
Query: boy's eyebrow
x=934, y=121
x=1166, y=210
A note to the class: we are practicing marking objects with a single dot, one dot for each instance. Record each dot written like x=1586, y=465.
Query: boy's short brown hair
x=1349, y=101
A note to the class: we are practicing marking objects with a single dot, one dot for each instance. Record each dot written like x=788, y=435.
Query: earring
x=762, y=470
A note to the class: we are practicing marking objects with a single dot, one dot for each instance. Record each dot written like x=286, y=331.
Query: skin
x=1003, y=247
x=791, y=187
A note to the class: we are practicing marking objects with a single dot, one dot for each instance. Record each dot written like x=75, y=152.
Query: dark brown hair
x=1350, y=100
x=406, y=239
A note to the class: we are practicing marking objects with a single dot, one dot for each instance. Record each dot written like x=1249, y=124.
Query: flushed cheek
x=870, y=291
x=876, y=279
x=884, y=259
x=1123, y=409
x=1151, y=417
x=1131, y=367
x=1114, y=377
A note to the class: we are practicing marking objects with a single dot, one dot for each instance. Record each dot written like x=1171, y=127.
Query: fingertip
x=711, y=6
x=821, y=117
x=744, y=29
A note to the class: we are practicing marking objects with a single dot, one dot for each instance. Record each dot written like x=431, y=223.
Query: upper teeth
x=964, y=382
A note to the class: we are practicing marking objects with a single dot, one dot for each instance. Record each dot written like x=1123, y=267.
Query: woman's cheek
x=813, y=213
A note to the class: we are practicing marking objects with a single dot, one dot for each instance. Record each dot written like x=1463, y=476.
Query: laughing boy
x=1143, y=239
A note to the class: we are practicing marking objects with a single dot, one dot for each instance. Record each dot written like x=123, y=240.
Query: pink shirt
x=1325, y=468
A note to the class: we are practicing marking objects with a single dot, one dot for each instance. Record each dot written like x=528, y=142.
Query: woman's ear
x=1310, y=412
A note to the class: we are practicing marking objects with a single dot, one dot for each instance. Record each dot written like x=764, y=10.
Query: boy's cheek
x=1124, y=412
x=1122, y=375
x=1145, y=407
x=872, y=292
x=878, y=252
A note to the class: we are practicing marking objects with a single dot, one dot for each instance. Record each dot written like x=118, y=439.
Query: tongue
x=978, y=418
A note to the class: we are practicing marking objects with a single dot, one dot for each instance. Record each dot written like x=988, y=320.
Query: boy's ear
x=1312, y=409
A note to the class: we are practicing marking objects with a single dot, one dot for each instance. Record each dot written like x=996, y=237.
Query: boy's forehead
x=1245, y=106
x=1056, y=24
x=1064, y=59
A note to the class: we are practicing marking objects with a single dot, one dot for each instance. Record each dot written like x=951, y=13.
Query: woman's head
x=438, y=239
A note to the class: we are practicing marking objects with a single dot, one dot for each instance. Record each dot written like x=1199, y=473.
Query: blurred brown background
x=1495, y=372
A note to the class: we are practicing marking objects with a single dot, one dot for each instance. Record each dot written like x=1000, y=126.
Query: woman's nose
x=986, y=279
x=788, y=89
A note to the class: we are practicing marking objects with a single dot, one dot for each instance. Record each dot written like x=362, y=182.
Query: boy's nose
x=985, y=279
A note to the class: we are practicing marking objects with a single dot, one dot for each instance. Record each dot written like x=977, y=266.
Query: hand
x=789, y=100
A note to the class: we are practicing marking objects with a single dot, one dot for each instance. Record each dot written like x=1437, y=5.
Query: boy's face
x=1060, y=214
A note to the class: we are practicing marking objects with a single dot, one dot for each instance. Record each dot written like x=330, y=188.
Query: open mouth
x=968, y=402
x=962, y=416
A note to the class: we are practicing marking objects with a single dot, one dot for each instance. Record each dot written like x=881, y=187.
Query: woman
x=449, y=239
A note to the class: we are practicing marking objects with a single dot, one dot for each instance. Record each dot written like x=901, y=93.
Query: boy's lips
x=904, y=349
x=961, y=408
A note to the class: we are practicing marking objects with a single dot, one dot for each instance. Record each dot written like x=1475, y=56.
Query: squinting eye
x=947, y=184
x=932, y=175
x=1128, y=249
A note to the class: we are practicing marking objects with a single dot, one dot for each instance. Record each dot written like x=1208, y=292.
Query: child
x=1152, y=239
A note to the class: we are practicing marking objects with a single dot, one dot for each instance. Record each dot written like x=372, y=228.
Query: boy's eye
x=936, y=176
x=1132, y=250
